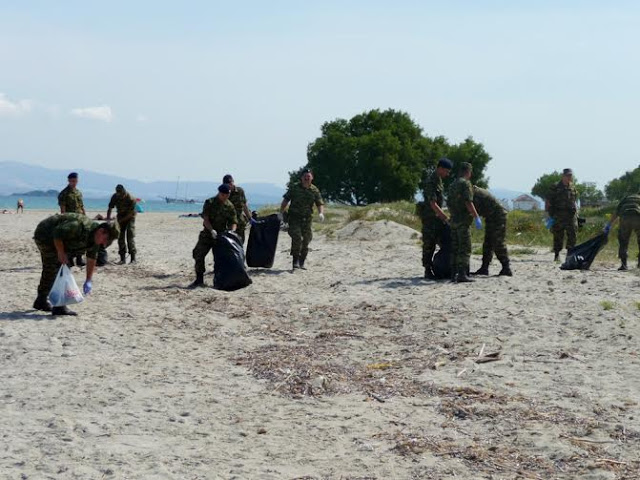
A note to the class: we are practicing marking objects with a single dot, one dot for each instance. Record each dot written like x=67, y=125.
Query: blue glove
x=253, y=221
x=549, y=223
x=478, y=223
x=607, y=228
x=87, y=287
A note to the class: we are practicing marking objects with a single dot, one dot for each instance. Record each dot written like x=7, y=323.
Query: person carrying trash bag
x=62, y=236
x=434, y=220
x=561, y=205
x=628, y=211
x=218, y=216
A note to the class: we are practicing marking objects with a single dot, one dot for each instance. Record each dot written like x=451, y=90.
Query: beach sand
x=354, y=369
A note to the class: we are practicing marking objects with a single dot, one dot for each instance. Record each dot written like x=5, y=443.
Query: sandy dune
x=354, y=369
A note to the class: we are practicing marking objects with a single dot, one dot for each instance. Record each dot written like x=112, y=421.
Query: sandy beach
x=354, y=369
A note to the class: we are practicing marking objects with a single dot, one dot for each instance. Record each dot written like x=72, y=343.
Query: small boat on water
x=179, y=200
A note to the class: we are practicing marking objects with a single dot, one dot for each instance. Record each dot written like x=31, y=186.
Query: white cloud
x=11, y=108
x=102, y=113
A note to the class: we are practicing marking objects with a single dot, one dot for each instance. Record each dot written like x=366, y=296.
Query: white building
x=525, y=202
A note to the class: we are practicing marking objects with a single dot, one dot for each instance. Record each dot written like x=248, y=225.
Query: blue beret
x=444, y=162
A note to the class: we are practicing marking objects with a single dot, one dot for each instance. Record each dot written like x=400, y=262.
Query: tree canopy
x=627, y=184
x=380, y=156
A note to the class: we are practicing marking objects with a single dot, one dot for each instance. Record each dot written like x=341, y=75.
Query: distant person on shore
x=20, y=206
x=61, y=236
x=125, y=204
x=70, y=201
x=301, y=197
x=495, y=231
x=218, y=215
x=562, y=208
x=463, y=213
x=628, y=211
x=239, y=201
x=434, y=220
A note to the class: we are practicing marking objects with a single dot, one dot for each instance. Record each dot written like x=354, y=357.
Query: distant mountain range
x=16, y=177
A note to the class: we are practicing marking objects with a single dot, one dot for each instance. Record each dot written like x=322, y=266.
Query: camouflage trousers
x=432, y=231
x=240, y=230
x=562, y=225
x=205, y=244
x=301, y=235
x=495, y=240
x=628, y=225
x=50, y=267
x=460, y=245
x=128, y=232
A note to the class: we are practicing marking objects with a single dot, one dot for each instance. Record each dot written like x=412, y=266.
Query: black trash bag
x=581, y=256
x=102, y=257
x=442, y=259
x=263, y=240
x=228, y=271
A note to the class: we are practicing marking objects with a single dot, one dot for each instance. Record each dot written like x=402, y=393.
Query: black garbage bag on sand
x=442, y=259
x=581, y=256
x=263, y=240
x=229, y=272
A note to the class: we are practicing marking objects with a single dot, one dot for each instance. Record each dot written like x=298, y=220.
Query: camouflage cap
x=466, y=167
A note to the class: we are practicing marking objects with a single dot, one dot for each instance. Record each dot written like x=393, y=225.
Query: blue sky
x=157, y=90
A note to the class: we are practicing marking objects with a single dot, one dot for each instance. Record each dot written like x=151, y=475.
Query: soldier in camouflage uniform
x=64, y=235
x=218, y=215
x=463, y=213
x=495, y=218
x=434, y=220
x=628, y=211
x=239, y=200
x=301, y=197
x=561, y=207
x=125, y=203
x=70, y=201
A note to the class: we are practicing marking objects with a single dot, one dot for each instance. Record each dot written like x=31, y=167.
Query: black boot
x=556, y=257
x=42, y=303
x=62, y=311
x=123, y=259
x=302, y=259
x=198, y=282
x=79, y=261
x=296, y=263
x=133, y=258
x=623, y=266
x=506, y=270
x=462, y=276
x=483, y=270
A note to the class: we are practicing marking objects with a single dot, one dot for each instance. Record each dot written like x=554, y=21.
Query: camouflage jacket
x=460, y=192
x=220, y=215
x=487, y=205
x=71, y=200
x=562, y=200
x=432, y=190
x=124, y=202
x=302, y=201
x=629, y=206
x=239, y=200
x=74, y=229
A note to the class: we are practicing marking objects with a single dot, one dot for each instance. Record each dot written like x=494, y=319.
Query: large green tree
x=627, y=184
x=379, y=156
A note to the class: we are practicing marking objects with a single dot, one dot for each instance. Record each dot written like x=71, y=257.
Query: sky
x=156, y=90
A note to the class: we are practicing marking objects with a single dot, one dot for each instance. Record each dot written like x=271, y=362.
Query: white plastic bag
x=65, y=290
